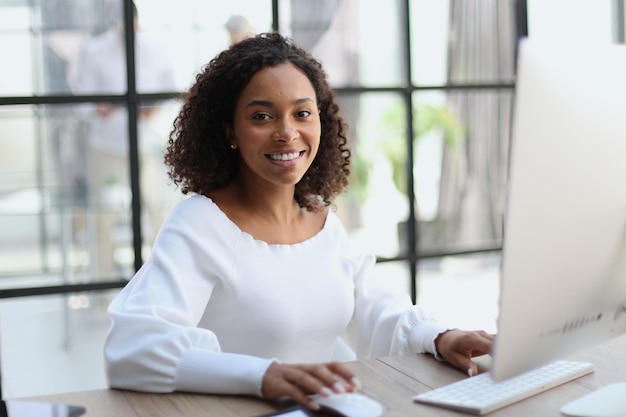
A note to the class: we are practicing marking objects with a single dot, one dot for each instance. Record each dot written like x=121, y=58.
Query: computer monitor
x=563, y=271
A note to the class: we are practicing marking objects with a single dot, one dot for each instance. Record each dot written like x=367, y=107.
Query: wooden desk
x=391, y=380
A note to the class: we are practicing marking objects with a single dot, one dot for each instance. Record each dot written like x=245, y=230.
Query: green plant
x=428, y=118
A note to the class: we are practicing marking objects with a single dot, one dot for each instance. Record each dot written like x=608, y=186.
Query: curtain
x=483, y=38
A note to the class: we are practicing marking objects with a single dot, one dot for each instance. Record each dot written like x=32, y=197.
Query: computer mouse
x=483, y=362
x=351, y=404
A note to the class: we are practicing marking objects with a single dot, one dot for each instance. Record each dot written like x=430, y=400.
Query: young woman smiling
x=253, y=282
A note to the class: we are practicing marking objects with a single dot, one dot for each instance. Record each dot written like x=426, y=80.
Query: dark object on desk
x=294, y=411
x=19, y=408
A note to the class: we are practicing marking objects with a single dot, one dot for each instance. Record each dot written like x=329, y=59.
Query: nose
x=285, y=131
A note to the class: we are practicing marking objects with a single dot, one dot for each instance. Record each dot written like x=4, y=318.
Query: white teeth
x=285, y=156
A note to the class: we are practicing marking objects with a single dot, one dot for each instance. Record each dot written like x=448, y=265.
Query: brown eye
x=261, y=116
x=303, y=113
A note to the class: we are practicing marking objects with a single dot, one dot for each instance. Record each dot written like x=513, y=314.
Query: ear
x=230, y=137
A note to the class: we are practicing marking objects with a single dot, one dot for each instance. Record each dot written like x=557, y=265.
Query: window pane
x=108, y=185
x=43, y=40
x=430, y=31
x=191, y=32
x=339, y=33
x=16, y=78
x=65, y=188
x=100, y=64
x=28, y=190
x=376, y=202
x=64, y=197
x=461, y=144
x=461, y=291
x=463, y=41
x=53, y=344
x=158, y=194
x=53, y=41
x=381, y=44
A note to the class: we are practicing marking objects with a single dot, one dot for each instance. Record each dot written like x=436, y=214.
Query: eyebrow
x=265, y=103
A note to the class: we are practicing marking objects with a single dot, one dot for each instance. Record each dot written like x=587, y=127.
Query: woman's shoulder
x=194, y=211
x=333, y=222
x=199, y=216
x=193, y=203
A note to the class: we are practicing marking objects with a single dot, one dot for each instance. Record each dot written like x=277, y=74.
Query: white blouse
x=212, y=307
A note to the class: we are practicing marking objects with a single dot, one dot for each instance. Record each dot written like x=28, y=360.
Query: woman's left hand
x=458, y=347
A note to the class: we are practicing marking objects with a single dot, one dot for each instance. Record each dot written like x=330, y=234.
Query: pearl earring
x=233, y=146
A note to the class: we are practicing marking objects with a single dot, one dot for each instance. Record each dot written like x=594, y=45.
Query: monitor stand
x=608, y=401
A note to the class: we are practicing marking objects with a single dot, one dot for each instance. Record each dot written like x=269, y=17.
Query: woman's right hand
x=299, y=381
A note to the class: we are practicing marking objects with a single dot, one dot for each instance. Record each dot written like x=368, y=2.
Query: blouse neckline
x=251, y=238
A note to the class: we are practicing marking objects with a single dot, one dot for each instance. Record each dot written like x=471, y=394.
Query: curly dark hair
x=198, y=155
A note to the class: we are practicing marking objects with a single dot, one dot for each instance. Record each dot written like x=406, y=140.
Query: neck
x=273, y=204
x=268, y=212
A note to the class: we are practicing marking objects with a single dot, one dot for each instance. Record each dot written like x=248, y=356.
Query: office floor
x=53, y=344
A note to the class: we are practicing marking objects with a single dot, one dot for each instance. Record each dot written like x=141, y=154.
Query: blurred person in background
x=102, y=70
x=238, y=28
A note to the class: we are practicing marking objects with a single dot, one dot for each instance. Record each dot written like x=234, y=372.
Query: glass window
x=348, y=37
x=65, y=195
x=381, y=44
x=376, y=201
x=461, y=155
x=47, y=197
x=461, y=291
x=192, y=32
x=16, y=73
x=430, y=31
x=53, y=344
x=29, y=195
x=339, y=33
x=462, y=41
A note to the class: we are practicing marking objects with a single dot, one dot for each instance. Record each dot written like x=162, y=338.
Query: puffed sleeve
x=154, y=343
x=385, y=321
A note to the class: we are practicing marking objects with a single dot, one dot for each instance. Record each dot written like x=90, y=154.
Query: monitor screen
x=563, y=272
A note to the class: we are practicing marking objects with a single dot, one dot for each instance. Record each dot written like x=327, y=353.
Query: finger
x=346, y=375
x=324, y=379
x=490, y=337
x=464, y=364
x=472, y=369
x=485, y=343
x=476, y=343
x=480, y=349
x=296, y=394
x=328, y=376
x=285, y=381
x=310, y=378
x=280, y=380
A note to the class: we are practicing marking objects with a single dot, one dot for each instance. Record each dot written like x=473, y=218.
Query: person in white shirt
x=253, y=282
x=102, y=70
x=238, y=28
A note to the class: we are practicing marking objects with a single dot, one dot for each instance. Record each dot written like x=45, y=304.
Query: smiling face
x=276, y=126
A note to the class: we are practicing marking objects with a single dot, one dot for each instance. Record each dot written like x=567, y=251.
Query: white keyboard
x=481, y=395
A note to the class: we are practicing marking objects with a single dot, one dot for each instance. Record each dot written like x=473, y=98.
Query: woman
x=252, y=280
